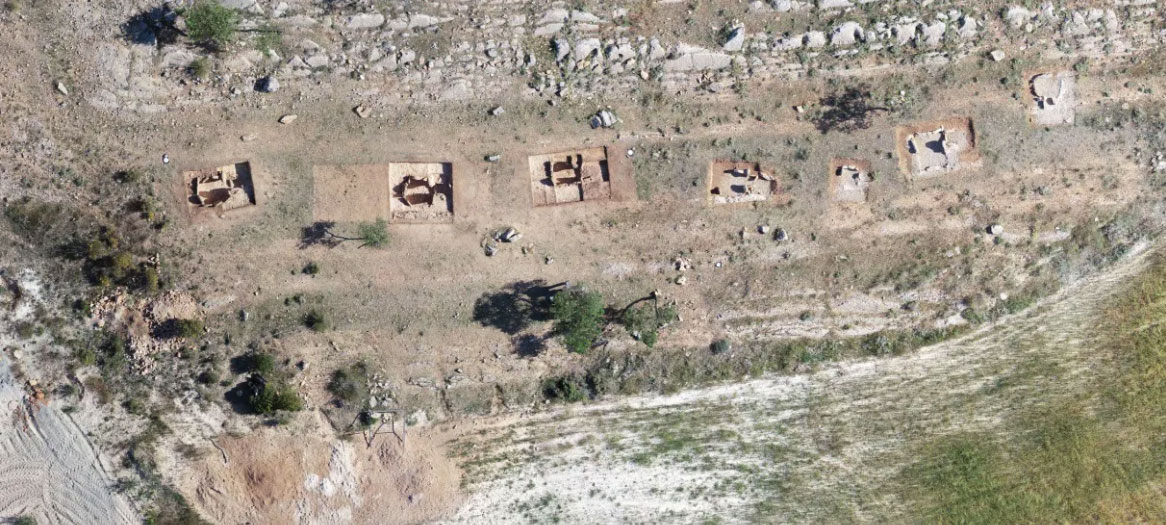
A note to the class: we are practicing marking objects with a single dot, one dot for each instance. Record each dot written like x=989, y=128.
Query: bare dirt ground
x=270, y=476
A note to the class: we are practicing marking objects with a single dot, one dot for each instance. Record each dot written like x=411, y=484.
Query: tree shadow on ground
x=513, y=308
x=847, y=111
x=319, y=234
x=152, y=27
x=528, y=345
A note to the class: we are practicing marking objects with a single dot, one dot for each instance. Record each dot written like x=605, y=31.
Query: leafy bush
x=24, y=520
x=208, y=377
x=188, y=328
x=643, y=322
x=211, y=24
x=578, y=316
x=312, y=268
x=374, y=234
x=199, y=68
x=270, y=398
x=350, y=385
x=150, y=276
x=260, y=363
x=569, y=389
x=721, y=346
x=316, y=321
x=85, y=355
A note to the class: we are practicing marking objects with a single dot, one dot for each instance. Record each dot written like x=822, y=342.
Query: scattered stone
x=365, y=21
x=997, y=55
x=996, y=229
x=681, y=280
x=424, y=382
x=780, y=235
x=735, y=40
x=493, y=157
x=17, y=354
x=763, y=229
x=362, y=111
x=415, y=498
x=510, y=235
x=682, y=264
x=815, y=39
x=847, y=34
x=288, y=119
x=491, y=249
x=165, y=159
x=549, y=259
x=62, y=89
x=604, y=118
x=317, y=61
x=267, y=84
x=247, y=138
x=497, y=110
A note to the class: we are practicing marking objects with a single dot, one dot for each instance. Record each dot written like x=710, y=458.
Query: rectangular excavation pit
x=399, y=192
x=570, y=176
x=849, y=179
x=732, y=181
x=421, y=192
x=1054, y=98
x=224, y=188
x=931, y=148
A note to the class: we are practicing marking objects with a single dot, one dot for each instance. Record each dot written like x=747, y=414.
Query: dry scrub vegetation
x=1050, y=416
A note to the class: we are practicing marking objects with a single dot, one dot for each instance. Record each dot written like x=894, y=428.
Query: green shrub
x=274, y=397
x=569, y=389
x=208, y=377
x=578, y=316
x=24, y=520
x=260, y=363
x=150, y=276
x=316, y=321
x=211, y=24
x=721, y=346
x=350, y=384
x=311, y=268
x=643, y=322
x=130, y=176
x=86, y=356
x=199, y=68
x=374, y=234
x=188, y=328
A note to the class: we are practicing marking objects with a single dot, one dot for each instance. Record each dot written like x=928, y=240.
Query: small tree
x=209, y=23
x=374, y=234
x=578, y=316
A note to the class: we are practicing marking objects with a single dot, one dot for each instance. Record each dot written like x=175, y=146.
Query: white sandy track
x=48, y=470
x=815, y=448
